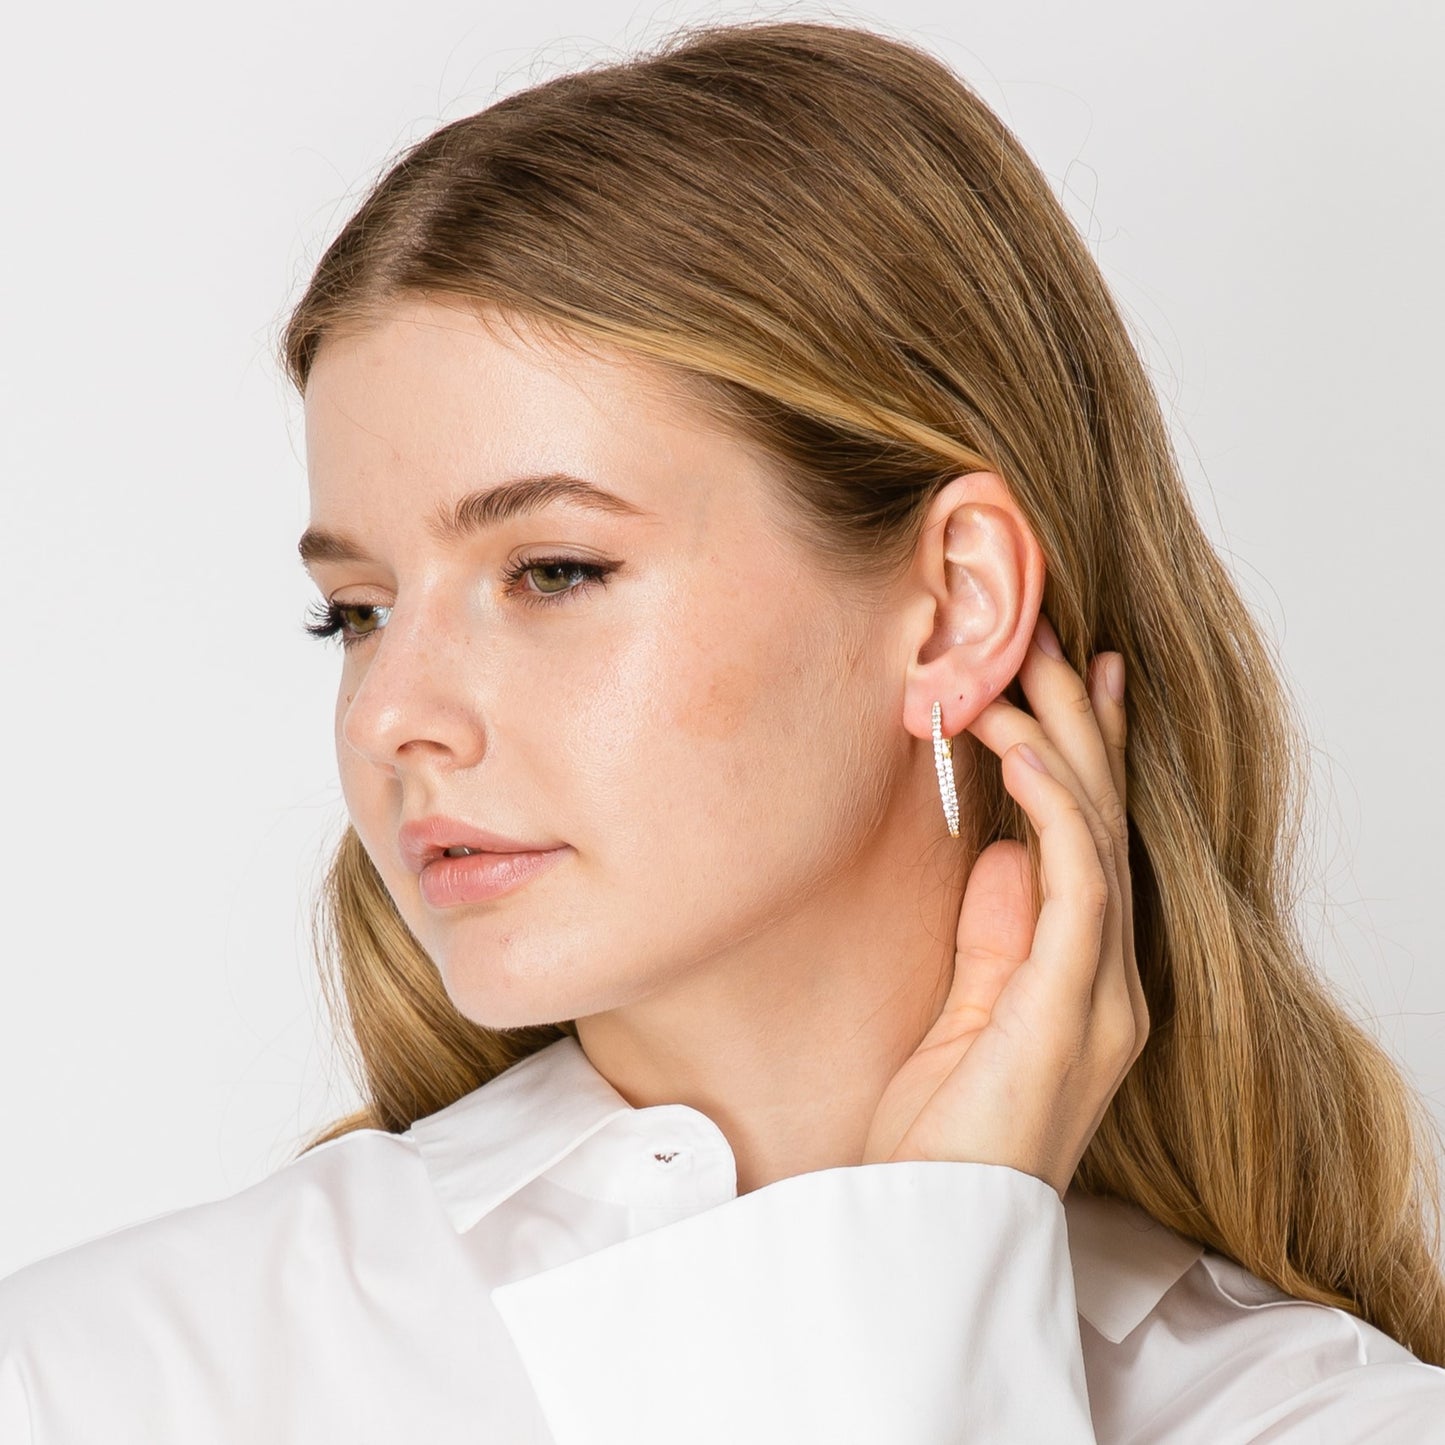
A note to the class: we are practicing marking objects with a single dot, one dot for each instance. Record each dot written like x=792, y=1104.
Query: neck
x=787, y=1039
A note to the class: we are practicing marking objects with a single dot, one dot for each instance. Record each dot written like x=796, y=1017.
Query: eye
x=591, y=573
x=331, y=621
x=334, y=619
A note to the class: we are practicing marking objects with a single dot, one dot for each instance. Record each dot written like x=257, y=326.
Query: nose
x=413, y=690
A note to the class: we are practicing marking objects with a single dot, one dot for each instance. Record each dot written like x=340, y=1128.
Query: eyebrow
x=452, y=522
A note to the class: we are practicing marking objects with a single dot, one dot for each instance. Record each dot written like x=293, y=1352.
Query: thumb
x=995, y=934
x=996, y=920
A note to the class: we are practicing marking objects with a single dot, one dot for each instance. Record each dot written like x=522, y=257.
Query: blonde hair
x=842, y=251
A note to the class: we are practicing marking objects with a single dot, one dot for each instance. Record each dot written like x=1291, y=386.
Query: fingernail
x=1114, y=678
x=1045, y=637
x=1031, y=757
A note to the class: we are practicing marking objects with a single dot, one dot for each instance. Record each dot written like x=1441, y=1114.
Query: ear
x=978, y=578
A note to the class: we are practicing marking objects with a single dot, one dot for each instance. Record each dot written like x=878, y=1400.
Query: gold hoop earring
x=943, y=761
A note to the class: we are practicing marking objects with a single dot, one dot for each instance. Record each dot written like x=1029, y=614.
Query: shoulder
x=1227, y=1356
x=342, y=1193
x=286, y=1312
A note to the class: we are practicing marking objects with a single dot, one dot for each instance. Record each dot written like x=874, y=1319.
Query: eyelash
x=330, y=615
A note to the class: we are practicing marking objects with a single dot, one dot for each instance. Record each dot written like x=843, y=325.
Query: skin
x=760, y=912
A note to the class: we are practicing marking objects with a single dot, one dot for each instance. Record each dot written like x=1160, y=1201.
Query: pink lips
x=446, y=882
x=498, y=864
x=429, y=838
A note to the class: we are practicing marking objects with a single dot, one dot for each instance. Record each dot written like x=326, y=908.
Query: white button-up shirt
x=543, y=1262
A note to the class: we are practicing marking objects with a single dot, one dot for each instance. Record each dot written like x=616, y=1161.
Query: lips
x=428, y=838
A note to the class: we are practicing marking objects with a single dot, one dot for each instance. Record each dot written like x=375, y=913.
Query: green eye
x=331, y=621
x=537, y=567
x=365, y=612
x=590, y=572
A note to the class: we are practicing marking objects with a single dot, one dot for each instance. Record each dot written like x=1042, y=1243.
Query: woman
x=701, y=449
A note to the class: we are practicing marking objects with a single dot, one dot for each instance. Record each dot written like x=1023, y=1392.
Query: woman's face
x=707, y=729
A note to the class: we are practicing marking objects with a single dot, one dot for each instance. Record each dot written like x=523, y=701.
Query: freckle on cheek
x=718, y=703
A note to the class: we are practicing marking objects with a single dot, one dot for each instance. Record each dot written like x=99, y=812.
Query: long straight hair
x=845, y=255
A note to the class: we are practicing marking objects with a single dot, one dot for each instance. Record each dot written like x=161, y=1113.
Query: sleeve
x=16, y=1427
x=921, y=1303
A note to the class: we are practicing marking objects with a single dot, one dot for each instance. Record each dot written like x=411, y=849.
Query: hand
x=1046, y=1013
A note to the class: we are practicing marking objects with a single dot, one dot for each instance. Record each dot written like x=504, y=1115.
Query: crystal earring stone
x=943, y=762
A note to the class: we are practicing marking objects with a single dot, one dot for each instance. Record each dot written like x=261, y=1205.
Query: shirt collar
x=1124, y=1261
x=483, y=1148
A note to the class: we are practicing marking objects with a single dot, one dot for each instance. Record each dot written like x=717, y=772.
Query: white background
x=1261, y=183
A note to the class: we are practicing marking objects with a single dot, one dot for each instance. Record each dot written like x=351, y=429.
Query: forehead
x=440, y=387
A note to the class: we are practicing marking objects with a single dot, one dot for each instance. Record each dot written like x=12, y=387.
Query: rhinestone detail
x=943, y=762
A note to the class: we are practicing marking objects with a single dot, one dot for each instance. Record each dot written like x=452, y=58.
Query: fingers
x=1070, y=935
x=1079, y=731
x=1081, y=746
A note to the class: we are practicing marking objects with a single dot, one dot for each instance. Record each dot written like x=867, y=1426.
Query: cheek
x=718, y=703
x=734, y=676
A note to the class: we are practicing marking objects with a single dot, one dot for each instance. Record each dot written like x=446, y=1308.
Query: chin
x=495, y=998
